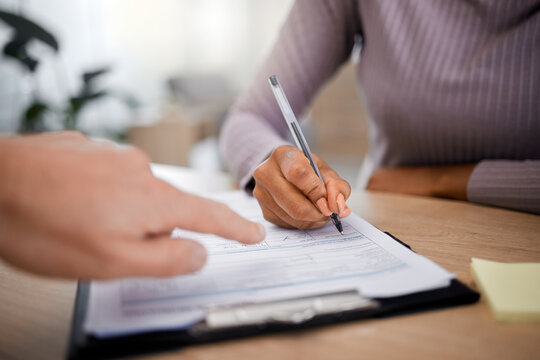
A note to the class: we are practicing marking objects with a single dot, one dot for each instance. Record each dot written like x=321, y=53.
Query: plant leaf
x=16, y=49
x=32, y=120
x=88, y=97
x=35, y=110
x=91, y=75
x=27, y=29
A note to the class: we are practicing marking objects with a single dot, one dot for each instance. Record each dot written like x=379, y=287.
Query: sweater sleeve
x=506, y=183
x=315, y=40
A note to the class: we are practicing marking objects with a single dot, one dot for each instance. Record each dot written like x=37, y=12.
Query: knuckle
x=281, y=150
x=278, y=151
x=297, y=171
x=315, y=191
x=263, y=171
x=258, y=192
x=259, y=171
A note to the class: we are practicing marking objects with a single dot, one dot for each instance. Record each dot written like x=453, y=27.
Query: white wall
x=145, y=42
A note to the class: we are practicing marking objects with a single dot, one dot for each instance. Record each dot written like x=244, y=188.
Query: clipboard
x=258, y=319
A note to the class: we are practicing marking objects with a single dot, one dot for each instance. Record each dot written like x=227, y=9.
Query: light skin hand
x=291, y=195
x=75, y=208
x=447, y=181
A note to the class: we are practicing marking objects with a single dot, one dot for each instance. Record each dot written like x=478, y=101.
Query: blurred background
x=159, y=74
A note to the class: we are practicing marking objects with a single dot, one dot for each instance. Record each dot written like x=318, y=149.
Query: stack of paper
x=512, y=290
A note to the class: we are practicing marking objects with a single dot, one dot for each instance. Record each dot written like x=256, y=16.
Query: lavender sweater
x=444, y=82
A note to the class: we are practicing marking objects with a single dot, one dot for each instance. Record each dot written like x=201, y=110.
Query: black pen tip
x=337, y=222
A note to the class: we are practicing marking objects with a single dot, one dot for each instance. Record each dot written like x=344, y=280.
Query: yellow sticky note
x=512, y=289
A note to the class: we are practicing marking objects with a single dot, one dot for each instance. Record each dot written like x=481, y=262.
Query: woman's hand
x=291, y=195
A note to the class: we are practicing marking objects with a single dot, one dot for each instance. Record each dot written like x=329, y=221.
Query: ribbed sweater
x=444, y=82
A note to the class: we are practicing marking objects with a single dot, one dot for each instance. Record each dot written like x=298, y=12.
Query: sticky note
x=512, y=289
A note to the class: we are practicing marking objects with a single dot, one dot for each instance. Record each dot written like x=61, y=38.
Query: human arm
x=505, y=183
x=447, y=181
x=315, y=40
x=71, y=207
x=510, y=184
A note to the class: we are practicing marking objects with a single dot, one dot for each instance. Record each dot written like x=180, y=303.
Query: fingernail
x=340, y=202
x=198, y=257
x=322, y=204
x=345, y=213
x=262, y=232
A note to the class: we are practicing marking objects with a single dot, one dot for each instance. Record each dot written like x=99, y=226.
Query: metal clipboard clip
x=290, y=311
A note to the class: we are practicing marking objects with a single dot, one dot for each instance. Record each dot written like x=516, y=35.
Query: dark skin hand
x=291, y=195
x=446, y=181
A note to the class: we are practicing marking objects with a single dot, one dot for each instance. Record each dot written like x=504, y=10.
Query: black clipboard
x=86, y=346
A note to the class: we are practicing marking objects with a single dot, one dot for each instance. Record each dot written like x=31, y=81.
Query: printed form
x=287, y=264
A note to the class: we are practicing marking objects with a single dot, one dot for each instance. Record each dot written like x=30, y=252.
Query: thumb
x=156, y=256
x=297, y=169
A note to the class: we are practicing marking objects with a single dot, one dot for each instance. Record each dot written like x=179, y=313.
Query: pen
x=298, y=136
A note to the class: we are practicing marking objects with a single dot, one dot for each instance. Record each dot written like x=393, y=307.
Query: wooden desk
x=35, y=313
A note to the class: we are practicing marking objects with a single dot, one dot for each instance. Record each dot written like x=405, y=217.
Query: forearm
x=245, y=142
x=315, y=40
x=504, y=183
x=446, y=181
x=450, y=181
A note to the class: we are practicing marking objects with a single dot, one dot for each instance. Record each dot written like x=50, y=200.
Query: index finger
x=338, y=189
x=194, y=213
x=296, y=168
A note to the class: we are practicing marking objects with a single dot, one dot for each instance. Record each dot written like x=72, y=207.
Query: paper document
x=287, y=264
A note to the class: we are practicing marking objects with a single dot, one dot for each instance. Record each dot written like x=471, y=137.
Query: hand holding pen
x=296, y=192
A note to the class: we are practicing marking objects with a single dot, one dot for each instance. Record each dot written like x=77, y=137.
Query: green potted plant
x=24, y=31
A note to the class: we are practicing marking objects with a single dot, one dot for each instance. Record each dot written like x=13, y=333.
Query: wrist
x=451, y=181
